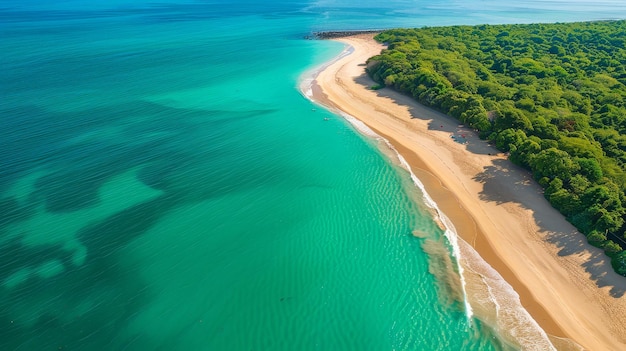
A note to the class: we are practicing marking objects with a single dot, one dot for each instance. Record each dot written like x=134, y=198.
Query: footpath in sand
x=567, y=286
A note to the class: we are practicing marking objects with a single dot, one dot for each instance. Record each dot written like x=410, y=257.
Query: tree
x=525, y=152
x=590, y=168
x=553, y=163
x=543, y=129
x=557, y=50
x=596, y=238
x=578, y=184
x=509, y=138
x=565, y=201
x=612, y=248
x=510, y=117
x=602, y=195
x=619, y=263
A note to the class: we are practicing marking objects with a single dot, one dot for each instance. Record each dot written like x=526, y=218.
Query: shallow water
x=164, y=184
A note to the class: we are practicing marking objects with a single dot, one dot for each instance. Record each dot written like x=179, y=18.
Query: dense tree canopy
x=552, y=95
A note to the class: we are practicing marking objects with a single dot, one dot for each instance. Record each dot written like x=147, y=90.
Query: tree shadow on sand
x=504, y=182
x=436, y=120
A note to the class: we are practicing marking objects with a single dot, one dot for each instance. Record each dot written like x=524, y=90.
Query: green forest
x=553, y=96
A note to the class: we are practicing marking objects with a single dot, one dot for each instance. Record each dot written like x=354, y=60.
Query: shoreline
x=567, y=285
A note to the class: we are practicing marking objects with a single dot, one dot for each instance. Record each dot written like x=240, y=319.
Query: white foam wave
x=305, y=83
x=362, y=127
x=492, y=295
x=449, y=233
x=512, y=320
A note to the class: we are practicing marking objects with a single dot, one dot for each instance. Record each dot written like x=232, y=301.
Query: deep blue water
x=165, y=186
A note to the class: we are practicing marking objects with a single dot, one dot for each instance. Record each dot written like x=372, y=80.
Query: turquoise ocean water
x=164, y=184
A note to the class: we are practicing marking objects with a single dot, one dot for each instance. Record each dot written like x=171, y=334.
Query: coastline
x=567, y=285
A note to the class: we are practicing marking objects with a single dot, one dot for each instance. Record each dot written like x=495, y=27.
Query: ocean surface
x=165, y=184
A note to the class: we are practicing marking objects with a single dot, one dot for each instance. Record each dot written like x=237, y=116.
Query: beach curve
x=566, y=285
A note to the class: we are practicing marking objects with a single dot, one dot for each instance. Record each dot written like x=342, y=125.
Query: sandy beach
x=567, y=285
